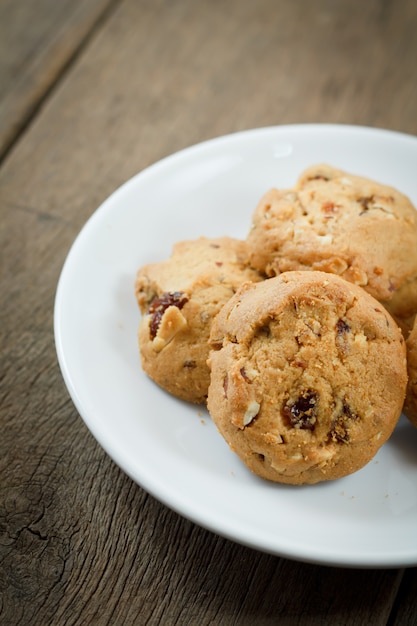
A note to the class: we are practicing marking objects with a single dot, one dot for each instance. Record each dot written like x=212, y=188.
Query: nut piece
x=251, y=412
x=159, y=305
x=172, y=321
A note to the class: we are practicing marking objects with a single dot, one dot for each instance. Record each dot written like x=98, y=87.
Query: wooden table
x=93, y=91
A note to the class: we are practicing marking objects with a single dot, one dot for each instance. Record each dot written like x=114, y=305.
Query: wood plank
x=80, y=543
x=405, y=609
x=38, y=38
x=134, y=561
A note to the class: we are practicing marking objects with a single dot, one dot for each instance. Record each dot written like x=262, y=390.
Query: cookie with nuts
x=308, y=376
x=179, y=298
x=336, y=222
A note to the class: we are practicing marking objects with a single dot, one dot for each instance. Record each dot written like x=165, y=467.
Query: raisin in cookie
x=335, y=222
x=410, y=406
x=308, y=376
x=179, y=298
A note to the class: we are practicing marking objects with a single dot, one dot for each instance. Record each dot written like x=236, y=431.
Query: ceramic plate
x=172, y=449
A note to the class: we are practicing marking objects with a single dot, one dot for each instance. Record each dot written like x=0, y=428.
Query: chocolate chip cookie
x=179, y=297
x=308, y=376
x=347, y=225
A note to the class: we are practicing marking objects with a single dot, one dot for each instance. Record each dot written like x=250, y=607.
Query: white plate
x=172, y=449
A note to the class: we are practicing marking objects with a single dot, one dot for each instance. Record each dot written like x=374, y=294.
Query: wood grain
x=80, y=543
x=38, y=40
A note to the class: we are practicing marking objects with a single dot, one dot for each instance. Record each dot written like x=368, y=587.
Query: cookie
x=410, y=406
x=336, y=222
x=179, y=297
x=308, y=376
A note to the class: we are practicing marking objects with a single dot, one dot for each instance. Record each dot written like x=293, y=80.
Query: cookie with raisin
x=179, y=298
x=337, y=222
x=308, y=376
x=410, y=405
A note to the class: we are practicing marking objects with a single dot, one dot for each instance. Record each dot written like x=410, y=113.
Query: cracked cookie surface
x=179, y=297
x=344, y=224
x=308, y=376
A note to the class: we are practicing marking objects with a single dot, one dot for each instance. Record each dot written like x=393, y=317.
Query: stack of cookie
x=295, y=337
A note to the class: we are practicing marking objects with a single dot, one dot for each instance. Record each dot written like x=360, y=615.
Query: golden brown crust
x=336, y=222
x=403, y=305
x=308, y=376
